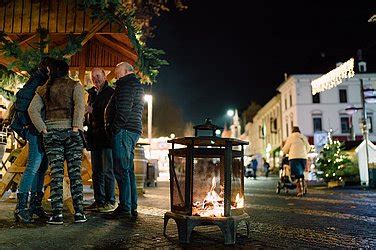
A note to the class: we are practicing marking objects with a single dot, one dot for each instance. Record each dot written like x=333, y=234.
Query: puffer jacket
x=296, y=146
x=124, y=110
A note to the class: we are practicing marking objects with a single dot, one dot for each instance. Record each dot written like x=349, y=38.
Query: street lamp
x=369, y=95
x=230, y=112
x=149, y=100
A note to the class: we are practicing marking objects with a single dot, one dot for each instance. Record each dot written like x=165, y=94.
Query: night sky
x=226, y=55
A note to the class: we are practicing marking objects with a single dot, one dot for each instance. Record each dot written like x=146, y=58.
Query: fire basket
x=207, y=183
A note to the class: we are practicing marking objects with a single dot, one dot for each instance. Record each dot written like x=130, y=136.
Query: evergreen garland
x=10, y=82
x=149, y=61
x=333, y=161
x=27, y=60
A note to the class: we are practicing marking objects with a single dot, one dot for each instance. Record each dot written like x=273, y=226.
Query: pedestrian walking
x=123, y=119
x=100, y=145
x=297, y=147
x=266, y=167
x=62, y=98
x=254, y=167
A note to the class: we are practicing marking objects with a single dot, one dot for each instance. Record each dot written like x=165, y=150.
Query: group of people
x=56, y=112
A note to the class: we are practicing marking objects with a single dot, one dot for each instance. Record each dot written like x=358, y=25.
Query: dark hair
x=295, y=129
x=58, y=68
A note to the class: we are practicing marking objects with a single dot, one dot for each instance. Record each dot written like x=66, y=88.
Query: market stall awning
x=105, y=44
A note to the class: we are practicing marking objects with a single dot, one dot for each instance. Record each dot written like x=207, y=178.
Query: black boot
x=36, y=205
x=22, y=214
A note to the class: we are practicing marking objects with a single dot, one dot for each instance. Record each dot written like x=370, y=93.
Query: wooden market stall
x=104, y=45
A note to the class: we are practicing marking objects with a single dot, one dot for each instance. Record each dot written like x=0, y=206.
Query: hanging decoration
x=334, y=77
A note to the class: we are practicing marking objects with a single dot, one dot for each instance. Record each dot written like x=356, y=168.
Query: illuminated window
x=317, y=124
x=345, y=125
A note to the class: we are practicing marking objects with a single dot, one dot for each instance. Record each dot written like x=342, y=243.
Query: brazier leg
x=229, y=232
x=248, y=227
x=185, y=230
x=166, y=219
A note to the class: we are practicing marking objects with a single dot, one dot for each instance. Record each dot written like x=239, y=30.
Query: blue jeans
x=123, y=144
x=103, y=176
x=297, y=167
x=36, y=166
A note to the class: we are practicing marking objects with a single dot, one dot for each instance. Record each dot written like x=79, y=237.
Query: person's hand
x=75, y=129
x=89, y=109
x=6, y=122
x=44, y=131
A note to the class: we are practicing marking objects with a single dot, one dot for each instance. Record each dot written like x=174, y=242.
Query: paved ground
x=339, y=218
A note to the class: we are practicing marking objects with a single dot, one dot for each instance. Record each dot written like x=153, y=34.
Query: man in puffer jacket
x=297, y=147
x=123, y=119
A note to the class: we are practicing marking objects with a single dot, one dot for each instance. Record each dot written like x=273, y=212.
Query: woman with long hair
x=36, y=166
x=62, y=98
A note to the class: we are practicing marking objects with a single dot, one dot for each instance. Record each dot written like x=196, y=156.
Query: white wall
x=330, y=106
x=300, y=110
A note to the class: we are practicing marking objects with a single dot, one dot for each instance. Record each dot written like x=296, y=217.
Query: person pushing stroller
x=297, y=147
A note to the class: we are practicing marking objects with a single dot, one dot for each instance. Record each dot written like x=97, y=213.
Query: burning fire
x=213, y=203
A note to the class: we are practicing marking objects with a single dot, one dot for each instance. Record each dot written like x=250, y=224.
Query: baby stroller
x=287, y=181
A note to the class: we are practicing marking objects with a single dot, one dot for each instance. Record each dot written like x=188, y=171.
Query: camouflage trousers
x=60, y=145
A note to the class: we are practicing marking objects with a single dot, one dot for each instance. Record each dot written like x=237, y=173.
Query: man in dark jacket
x=100, y=145
x=123, y=119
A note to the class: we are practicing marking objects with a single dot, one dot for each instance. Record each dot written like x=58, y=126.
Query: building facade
x=295, y=105
x=266, y=131
x=325, y=111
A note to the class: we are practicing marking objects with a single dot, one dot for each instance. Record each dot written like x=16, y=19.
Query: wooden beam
x=114, y=52
x=94, y=29
x=111, y=75
x=27, y=39
x=82, y=65
x=89, y=68
x=117, y=47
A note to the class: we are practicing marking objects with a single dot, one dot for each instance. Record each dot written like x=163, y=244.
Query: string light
x=334, y=77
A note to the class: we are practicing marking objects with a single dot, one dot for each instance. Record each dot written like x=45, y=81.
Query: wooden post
x=82, y=65
x=228, y=168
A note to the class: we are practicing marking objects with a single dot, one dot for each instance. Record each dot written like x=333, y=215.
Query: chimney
x=362, y=65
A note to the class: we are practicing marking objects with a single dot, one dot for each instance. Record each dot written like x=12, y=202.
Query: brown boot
x=299, y=189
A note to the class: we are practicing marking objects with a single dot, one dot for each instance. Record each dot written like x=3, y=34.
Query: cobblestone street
x=324, y=218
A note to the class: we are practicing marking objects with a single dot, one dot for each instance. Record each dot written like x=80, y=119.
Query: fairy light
x=334, y=77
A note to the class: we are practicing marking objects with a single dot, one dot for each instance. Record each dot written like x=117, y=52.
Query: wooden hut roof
x=105, y=44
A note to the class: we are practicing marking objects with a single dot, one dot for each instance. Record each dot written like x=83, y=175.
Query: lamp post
x=362, y=69
x=350, y=111
x=149, y=100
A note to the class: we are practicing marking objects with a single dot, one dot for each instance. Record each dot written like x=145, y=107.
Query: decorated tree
x=333, y=161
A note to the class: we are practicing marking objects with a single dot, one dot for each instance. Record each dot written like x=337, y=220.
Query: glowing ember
x=213, y=203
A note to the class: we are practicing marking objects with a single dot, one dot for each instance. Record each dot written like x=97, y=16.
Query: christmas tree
x=333, y=161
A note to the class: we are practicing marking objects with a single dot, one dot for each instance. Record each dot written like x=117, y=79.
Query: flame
x=213, y=203
x=239, y=201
